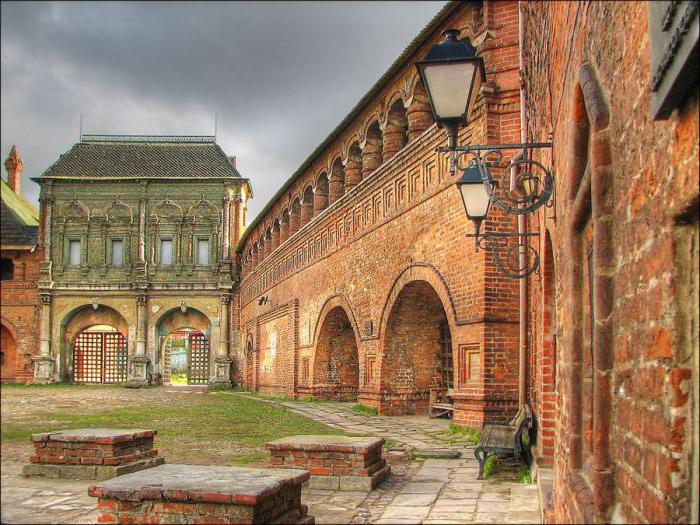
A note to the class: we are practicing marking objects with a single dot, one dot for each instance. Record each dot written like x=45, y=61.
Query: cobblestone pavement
x=431, y=491
x=428, y=491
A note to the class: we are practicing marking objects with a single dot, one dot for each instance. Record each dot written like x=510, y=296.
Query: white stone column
x=43, y=363
x=139, y=361
x=222, y=362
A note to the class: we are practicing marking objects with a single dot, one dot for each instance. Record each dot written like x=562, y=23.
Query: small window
x=117, y=252
x=166, y=252
x=7, y=269
x=203, y=252
x=74, y=253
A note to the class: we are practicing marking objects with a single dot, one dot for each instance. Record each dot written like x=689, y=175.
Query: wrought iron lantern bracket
x=523, y=186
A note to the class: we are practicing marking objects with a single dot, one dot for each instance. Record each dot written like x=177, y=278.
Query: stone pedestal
x=139, y=372
x=92, y=453
x=43, y=369
x=334, y=462
x=203, y=494
x=222, y=374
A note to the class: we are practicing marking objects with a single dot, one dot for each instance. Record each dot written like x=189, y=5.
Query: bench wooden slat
x=502, y=439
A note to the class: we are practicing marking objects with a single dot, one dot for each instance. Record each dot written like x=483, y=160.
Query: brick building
x=613, y=324
x=136, y=277
x=357, y=281
x=19, y=270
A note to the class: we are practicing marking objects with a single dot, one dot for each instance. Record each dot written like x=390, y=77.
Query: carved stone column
x=139, y=362
x=139, y=266
x=43, y=363
x=226, y=230
x=222, y=362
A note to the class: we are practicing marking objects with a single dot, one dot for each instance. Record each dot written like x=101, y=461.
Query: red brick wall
x=403, y=223
x=20, y=315
x=623, y=441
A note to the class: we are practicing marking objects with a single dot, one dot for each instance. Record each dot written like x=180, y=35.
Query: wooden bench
x=440, y=403
x=504, y=440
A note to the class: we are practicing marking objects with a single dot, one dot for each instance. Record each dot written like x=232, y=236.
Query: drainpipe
x=522, y=229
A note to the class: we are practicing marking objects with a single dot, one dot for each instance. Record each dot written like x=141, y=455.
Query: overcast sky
x=280, y=76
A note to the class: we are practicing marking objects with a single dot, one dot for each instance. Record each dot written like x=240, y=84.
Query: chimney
x=233, y=161
x=14, y=167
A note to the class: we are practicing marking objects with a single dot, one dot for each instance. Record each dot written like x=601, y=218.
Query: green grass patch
x=309, y=399
x=489, y=466
x=389, y=443
x=472, y=435
x=362, y=409
x=213, y=428
x=524, y=475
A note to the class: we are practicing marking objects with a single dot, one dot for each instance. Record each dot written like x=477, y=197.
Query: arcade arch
x=95, y=345
x=417, y=349
x=336, y=371
x=184, y=343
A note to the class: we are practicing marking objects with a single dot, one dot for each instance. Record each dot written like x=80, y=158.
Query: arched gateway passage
x=97, y=339
x=336, y=362
x=185, y=347
x=417, y=350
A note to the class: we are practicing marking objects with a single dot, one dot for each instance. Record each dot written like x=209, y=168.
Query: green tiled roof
x=126, y=157
x=19, y=220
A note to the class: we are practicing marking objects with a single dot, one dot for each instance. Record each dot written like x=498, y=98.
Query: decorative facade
x=137, y=275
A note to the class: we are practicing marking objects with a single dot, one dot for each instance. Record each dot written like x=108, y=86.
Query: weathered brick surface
x=389, y=250
x=614, y=412
x=20, y=302
x=85, y=448
x=191, y=495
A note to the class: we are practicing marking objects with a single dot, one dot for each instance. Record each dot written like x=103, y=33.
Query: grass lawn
x=214, y=428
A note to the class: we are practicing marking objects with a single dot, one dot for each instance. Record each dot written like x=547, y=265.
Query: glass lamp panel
x=476, y=200
x=117, y=253
x=476, y=87
x=203, y=252
x=448, y=85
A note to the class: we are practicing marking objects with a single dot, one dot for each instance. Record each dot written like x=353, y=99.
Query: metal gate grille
x=446, y=362
x=198, y=366
x=100, y=357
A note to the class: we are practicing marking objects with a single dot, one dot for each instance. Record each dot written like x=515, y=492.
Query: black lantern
x=475, y=197
x=452, y=75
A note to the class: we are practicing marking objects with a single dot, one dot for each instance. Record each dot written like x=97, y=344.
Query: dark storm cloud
x=280, y=75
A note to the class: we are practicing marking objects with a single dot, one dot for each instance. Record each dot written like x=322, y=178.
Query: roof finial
x=14, y=167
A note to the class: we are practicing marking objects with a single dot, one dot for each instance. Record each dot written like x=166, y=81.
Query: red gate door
x=198, y=366
x=100, y=357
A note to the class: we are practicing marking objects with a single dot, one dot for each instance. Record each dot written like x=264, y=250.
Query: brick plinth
x=203, y=494
x=92, y=453
x=334, y=462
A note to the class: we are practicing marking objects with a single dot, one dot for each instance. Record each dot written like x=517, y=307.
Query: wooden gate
x=446, y=361
x=100, y=357
x=198, y=359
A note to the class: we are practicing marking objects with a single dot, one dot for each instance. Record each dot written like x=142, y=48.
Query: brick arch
x=10, y=357
x=413, y=351
x=336, y=363
x=332, y=302
x=81, y=318
x=420, y=272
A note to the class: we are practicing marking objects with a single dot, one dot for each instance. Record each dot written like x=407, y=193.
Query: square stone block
x=92, y=453
x=203, y=494
x=354, y=463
